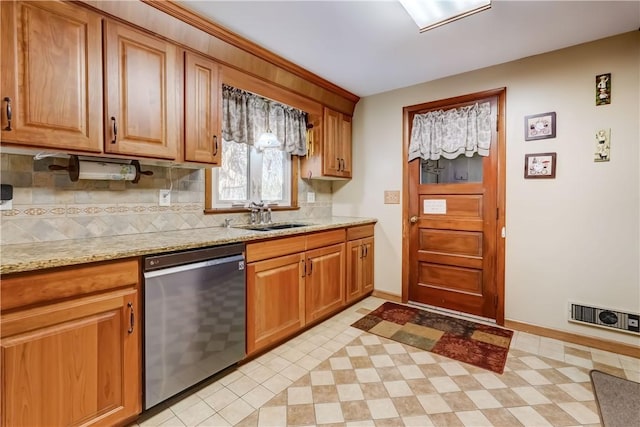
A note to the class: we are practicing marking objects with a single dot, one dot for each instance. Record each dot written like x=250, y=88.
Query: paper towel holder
x=73, y=167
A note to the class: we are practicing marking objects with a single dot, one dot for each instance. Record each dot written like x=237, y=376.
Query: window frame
x=280, y=94
x=209, y=183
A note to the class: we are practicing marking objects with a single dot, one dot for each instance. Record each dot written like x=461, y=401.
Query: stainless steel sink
x=271, y=227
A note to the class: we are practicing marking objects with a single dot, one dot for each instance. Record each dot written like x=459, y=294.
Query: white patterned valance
x=449, y=133
x=246, y=116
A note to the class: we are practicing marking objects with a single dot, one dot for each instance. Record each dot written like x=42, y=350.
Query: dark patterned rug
x=480, y=345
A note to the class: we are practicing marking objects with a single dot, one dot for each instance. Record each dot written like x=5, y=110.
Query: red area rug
x=480, y=345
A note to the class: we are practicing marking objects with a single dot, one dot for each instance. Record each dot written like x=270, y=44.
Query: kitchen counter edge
x=24, y=257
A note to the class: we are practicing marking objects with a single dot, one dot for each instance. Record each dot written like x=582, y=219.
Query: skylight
x=429, y=14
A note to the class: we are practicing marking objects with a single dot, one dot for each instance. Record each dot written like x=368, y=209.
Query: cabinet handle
x=9, y=113
x=310, y=266
x=342, y=165
x=215, y=145
x=115, y=130
x=366, y=251
x=304, y=268
x=132, y=319
x=338, y=159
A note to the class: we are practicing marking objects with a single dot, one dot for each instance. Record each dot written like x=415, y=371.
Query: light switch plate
x=391, y=197
x=311, y=197
x=164, y=199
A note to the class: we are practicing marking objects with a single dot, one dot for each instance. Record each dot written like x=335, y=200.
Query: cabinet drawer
x=275, y=247
x=325, y=238
x=359, y=232
x=25, y=289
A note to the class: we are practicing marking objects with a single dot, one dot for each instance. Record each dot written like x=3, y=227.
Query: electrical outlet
x=311, y=197
x=164, y=198
x=6, y=205
x=391, y=197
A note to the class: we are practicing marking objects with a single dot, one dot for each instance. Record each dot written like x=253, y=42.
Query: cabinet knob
x=413, y=219
x=131, y=318
x=115, y=130
x=9, y=113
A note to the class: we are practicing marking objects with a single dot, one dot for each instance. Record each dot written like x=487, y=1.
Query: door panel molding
x=458, y=198
x=468, y=243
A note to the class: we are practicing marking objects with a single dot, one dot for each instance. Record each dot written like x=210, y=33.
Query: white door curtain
x=450, y=133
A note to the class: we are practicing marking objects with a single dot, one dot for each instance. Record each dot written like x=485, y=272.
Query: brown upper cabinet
x=203, y=110
x=76, y=80
x=329, y=155
x=142, y=94
x=51, y=87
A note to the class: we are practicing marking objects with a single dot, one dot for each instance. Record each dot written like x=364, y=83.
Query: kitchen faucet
x=256, y=212
x=260, y=214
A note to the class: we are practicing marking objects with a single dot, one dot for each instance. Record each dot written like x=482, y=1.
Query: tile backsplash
x=47, y=205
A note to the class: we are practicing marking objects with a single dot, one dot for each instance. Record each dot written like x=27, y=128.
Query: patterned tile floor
x=334, y=374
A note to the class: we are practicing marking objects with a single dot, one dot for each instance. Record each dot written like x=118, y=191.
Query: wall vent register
x=605, y=318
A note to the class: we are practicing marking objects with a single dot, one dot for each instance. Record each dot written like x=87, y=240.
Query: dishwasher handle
x=209, y=263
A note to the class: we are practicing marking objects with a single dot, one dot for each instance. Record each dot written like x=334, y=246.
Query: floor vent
x=605, y=318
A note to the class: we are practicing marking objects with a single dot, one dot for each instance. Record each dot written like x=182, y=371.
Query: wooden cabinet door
x=325, y=280
x=331, y=151
x=354, y=270
x=275, y=300
x=203, y=108
x=367, y=265
x=142, y=92
x=345, y=146
x=51, y=83
x=71, y=363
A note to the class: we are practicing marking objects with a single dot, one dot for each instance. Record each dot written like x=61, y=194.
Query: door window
x=461, y=170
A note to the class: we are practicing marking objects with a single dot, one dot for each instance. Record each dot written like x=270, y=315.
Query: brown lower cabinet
x=294, y=281
x=275, y=300
x=324, y=281
x=290, y=282
x=360, y=256
x=70, y=346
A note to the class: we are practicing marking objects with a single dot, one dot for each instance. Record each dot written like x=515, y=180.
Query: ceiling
x=373, y=46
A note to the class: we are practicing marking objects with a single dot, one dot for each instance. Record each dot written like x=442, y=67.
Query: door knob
x=413, y=219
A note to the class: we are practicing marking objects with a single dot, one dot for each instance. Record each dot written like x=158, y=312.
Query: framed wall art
x=603, y=145
x=540, y=165
x=540, y=126
x=603, y=89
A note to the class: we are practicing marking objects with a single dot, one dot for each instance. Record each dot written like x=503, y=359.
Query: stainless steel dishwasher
x=194, y=318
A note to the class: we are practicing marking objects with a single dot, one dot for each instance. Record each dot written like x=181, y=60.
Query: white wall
x=575, y=237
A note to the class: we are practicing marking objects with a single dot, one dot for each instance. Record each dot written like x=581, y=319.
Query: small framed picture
x=540, y=126
x=603, y=145
x=540, y=165
x=603, y=89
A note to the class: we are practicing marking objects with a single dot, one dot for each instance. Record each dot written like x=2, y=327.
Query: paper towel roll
x=110, y=171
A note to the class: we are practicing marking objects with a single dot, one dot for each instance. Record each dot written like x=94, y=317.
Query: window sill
x=212, y=211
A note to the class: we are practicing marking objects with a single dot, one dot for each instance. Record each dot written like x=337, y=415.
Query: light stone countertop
x=35, y=256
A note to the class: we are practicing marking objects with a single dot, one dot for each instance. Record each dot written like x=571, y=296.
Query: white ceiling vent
x=605, y=318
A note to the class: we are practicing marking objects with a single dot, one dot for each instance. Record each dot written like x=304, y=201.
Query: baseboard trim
x=599, y=343
x=387, y=296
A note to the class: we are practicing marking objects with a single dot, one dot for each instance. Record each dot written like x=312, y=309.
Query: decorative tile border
x=83, y=210
x=50, y=209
